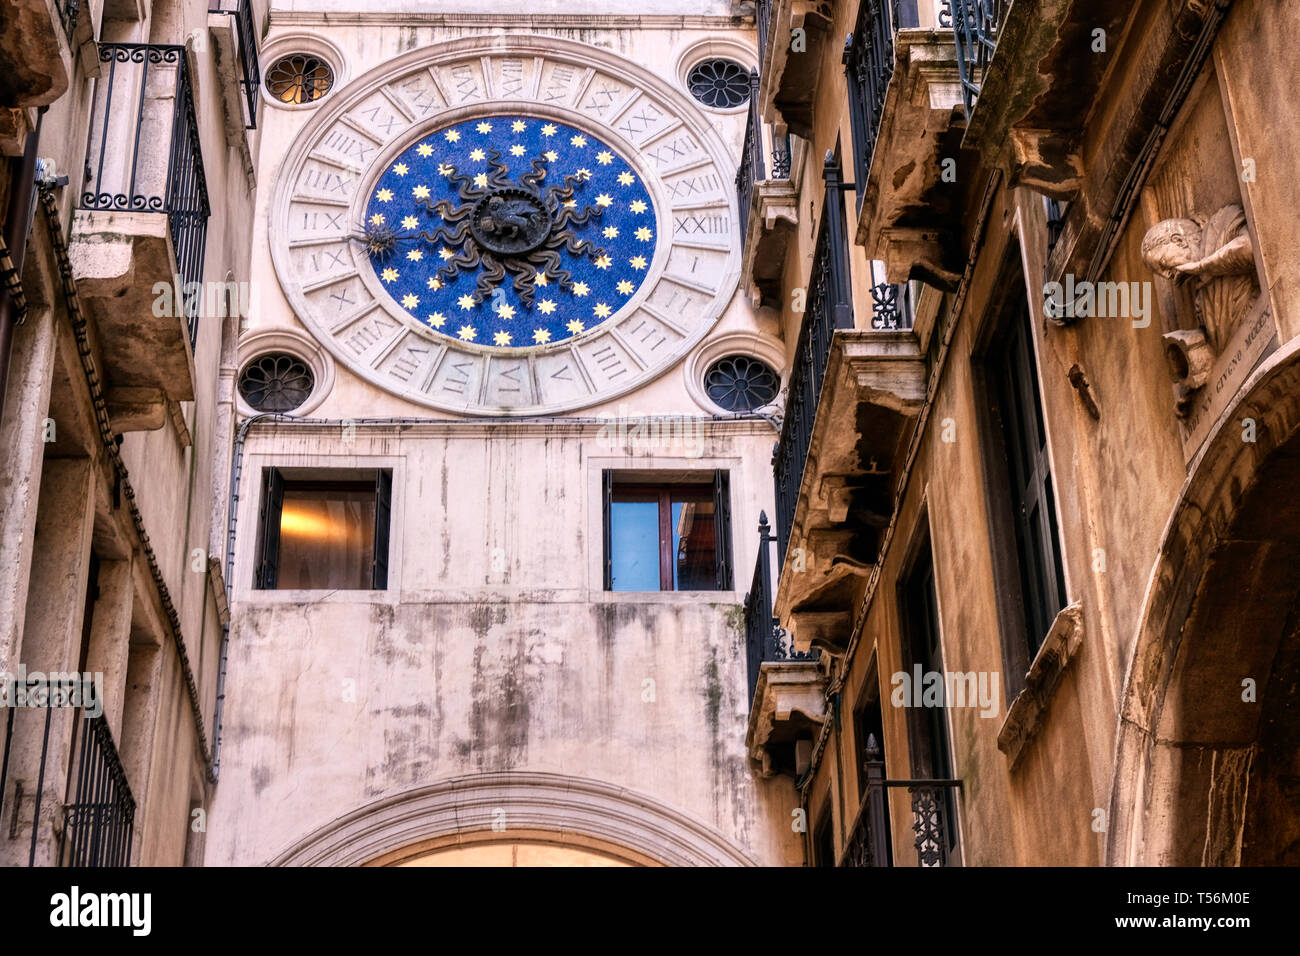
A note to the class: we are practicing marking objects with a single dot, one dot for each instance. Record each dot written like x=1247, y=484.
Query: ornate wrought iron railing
x=754, y=165
x=868, y=65
x=100, y=817
x=144, y=153
x=1055, y=221
x=934, y=820
x=975, y=25
x=250, y=70
x=891, y=307
x=763, y=23
x=751, y=157
x=828, y=306
x=764, y=638
x=69, y=12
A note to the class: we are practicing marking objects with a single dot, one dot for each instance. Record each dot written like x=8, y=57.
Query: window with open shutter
x=722, y=527
x=383, y=515
x=268, y=552
x=324, y=529
x=667, y=537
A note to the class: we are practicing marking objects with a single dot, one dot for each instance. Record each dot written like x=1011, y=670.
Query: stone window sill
x=1027, y=711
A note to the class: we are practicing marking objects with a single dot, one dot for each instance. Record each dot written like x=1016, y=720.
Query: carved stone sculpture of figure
x=1214, y=255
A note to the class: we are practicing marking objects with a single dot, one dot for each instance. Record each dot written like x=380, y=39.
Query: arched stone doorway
x=583, y=822
x=1204, y=775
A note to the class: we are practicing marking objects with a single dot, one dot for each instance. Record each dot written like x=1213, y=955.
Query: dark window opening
x=1022, y=441
x=927, y=725
x=868, y=723
x=323, y=534
x=669, y=537
x=824, y=841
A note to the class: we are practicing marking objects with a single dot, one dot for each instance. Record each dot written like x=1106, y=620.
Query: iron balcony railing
x=250, y=80
x=99, y=815
x=892, y=309
x=1055, y=221
x=754, y=165
x=828, y=307
x=764, y=638
x=975, y=25
x=934, y=821
x=763, y=23
x=144, y=153
x=868, y=65
x=99, y=820
x=751, y=157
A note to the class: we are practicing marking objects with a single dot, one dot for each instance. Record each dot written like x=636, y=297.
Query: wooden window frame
x=1011, y=535
x=717, y=490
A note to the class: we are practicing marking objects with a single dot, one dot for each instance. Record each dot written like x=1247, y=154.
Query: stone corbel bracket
x=789, y=698
x=907, y=219
x=1026, y=713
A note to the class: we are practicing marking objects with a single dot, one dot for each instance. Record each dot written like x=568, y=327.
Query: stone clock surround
x=671, y=145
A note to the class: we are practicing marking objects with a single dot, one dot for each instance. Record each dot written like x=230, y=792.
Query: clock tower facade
x=505, y=416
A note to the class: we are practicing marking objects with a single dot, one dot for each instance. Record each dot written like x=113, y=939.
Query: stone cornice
x=540, y=427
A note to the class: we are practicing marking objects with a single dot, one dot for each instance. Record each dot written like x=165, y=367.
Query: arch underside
x=534, y=809
x=1208, y=750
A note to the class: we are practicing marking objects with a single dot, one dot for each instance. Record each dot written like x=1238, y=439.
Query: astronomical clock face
x=507, y=233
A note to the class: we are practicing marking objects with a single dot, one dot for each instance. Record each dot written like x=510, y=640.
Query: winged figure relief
x=1216, y=258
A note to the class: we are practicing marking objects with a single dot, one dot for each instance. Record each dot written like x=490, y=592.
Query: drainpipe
x=17, y=227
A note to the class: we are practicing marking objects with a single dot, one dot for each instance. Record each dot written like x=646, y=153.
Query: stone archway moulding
x=569, y=809
x=1219, y=480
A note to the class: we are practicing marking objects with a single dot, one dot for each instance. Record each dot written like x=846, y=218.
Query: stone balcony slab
x=874, y=389
x=118, y=260
x=37, y=53
x=789, y=704
x=909, y=218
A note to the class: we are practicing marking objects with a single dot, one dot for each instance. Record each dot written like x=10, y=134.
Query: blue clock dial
x=510, y=231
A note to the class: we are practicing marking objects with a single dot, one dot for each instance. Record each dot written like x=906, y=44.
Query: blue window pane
x=694, y=550
x=634, y=545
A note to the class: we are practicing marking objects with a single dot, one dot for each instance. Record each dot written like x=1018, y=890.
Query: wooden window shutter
x=383, y=518
x=268, y=552
x=722, y=527
x=607, y=496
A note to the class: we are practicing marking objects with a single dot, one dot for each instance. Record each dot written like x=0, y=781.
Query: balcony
x=933, y=818
x=905, y=107
x=1028, y=90
x=1025, y=86
x=38, y=44
x=854, y=394
x=231, y=24
x=93, y=824
x=139, y=233
x=791, y=35
x=786, y=688
x=768, y=202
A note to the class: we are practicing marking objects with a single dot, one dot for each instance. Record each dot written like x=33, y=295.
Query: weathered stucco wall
x=1117, y=476
x=495, y=647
